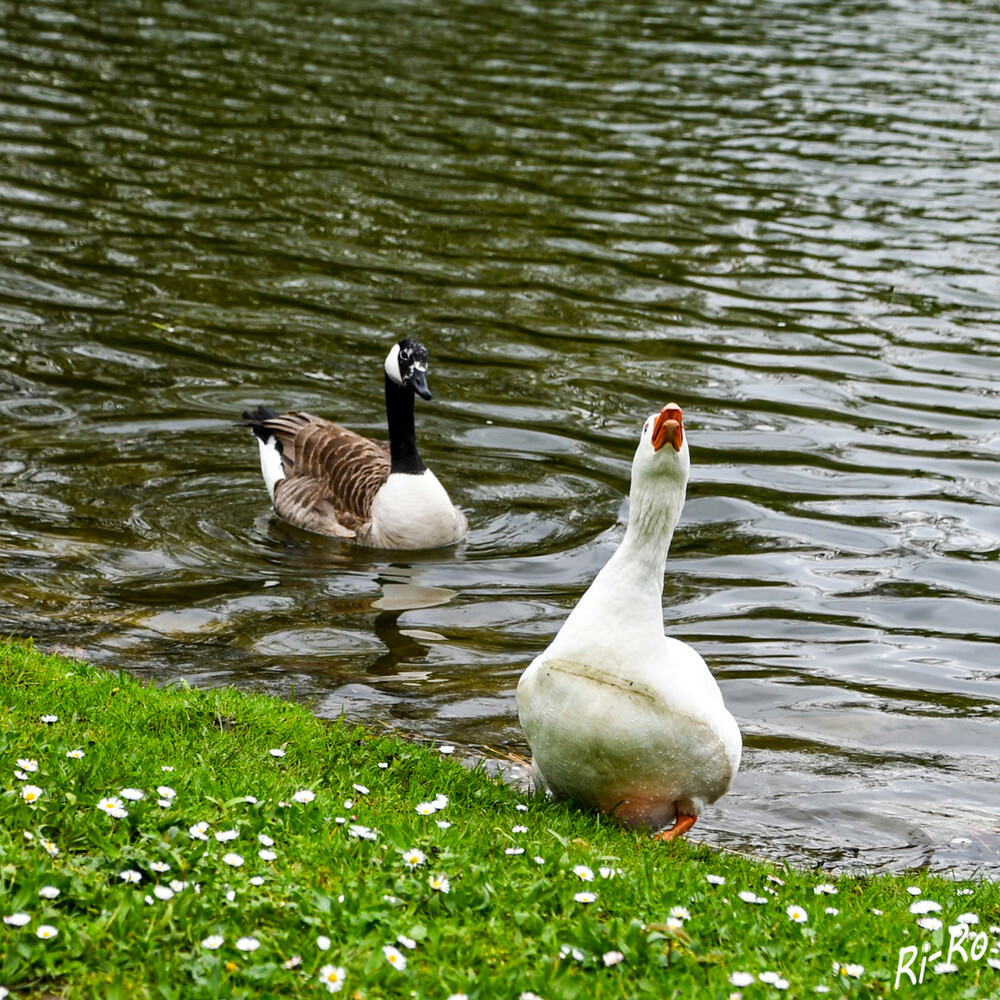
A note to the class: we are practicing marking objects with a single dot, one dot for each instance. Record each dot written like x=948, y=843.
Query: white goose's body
x=620, y=717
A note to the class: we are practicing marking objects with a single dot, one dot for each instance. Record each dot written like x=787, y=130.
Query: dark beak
x=418, y=381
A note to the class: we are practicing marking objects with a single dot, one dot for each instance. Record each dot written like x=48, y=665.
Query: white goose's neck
x=653, y=517
x=623, y=608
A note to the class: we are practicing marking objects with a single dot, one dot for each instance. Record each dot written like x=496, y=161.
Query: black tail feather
x=254, y=419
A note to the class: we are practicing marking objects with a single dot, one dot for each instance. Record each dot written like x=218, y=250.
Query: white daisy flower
x=925, y=906
x=565, y=951
x=968, y=918
x=585, y=897
x=199, y=831
x=75, y=754
x=854, y=971
x=50, y=847
x=323, y=943
x=440, y=883
x=247, y=944
x=832, y=910
x=394, y=957
x=17, y=919
x=674, y=923
x=132, y=794
x=426, y=808
x=741, y=978
x=224, y=836
x=519, y=829
x=332, y=977
x=166, y=767
x=27, y=763
x=48, y=892
x=277, y=752
x=232, y=859
x=514, y=850
x=364, y=832
x=715, y=879
x=583, y=873
x=31, y=793
x=443, y=824
x=213, y=941
x=130, y=875
x=305, y=795
x=446, y=749
x=796, y=914
x=360, y=789
x=439, y=801
x=49, y=719
x=46, y=932
x=414, y=857
x=266, y=855
x=164, y=803
x=265, y=840
x=257, y=880
x=751, y=897
x=612, y=958
x=293, y=963
x=930, y=923
x=913, y=890
x=768, y=977
x=680, y=912
x=406, y=942
x=521, y=807
x=162, y=892
x=159, y=866
x=825, y=888
x=165, y=791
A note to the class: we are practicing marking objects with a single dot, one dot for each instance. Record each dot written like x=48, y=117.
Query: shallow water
x=782, y=216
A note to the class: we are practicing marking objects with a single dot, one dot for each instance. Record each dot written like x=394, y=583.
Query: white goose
x=620, y=717
x=328, y=479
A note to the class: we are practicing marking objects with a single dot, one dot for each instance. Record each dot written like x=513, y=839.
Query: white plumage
x=620, y=717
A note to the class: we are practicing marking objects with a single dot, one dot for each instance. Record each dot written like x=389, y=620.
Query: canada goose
x=328, y=479
x=620, y=717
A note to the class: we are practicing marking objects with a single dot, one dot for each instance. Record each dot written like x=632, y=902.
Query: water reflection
x=781, y=216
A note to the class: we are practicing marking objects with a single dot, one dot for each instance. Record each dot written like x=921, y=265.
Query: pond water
x=782, y=216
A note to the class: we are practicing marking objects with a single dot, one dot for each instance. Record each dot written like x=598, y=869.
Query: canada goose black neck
x=402, y=431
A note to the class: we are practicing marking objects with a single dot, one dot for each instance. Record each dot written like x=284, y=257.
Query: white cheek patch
x=392, y=365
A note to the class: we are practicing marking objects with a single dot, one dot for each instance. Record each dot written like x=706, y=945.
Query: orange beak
x=668, y=426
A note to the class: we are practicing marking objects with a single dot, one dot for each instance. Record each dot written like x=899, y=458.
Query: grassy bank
x=270, y=855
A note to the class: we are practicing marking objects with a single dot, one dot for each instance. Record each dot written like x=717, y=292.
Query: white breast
x=414, y=512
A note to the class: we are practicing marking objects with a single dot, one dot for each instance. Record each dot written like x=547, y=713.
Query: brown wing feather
x=332, y=473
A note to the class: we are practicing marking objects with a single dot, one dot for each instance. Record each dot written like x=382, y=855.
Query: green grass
x=497, y=933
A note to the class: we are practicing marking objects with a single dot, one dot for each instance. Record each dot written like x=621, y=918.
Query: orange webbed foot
x=682, y=824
